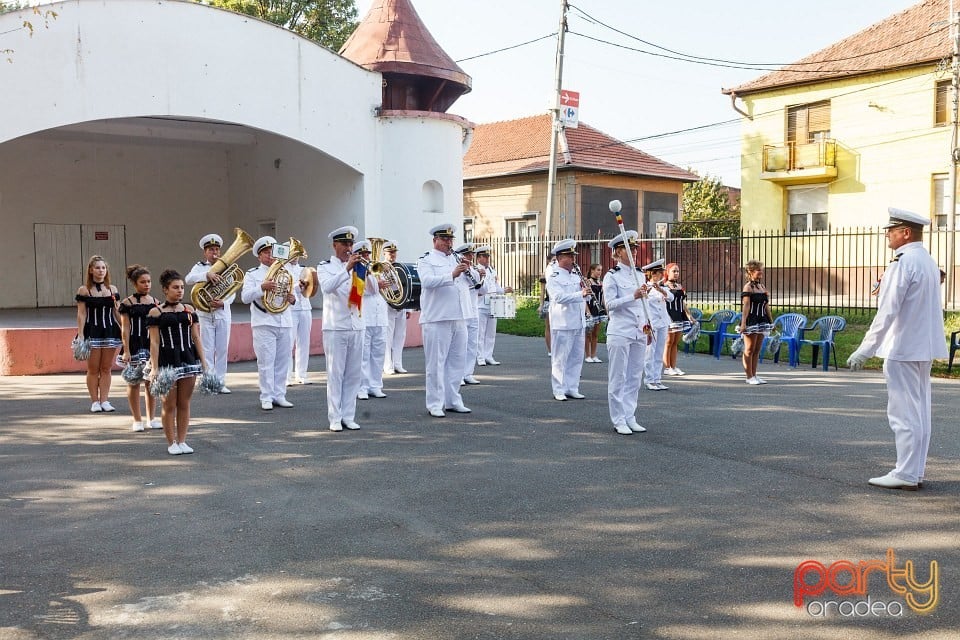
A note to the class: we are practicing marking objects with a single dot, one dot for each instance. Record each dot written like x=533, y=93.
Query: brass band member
x=214, y=326
x=396, y=325
x=302, y=314
x=487, y=336
x=657, y=299
x=98, y=322
x=568, y=293
x=474, y=281
x=374, y=331
x=136, y=341
x=271, y=331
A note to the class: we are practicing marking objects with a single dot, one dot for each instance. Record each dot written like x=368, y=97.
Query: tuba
x=231, y=276
x=276, y=301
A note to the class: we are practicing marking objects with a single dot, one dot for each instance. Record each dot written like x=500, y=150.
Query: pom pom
x=133, y=373
x=773, y=344
x=737, y=347
x=163, y=380
x=691, y=336
x=210, y=383
x=81, y=348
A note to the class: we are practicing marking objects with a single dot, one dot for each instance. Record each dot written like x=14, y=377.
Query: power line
x=514, y=46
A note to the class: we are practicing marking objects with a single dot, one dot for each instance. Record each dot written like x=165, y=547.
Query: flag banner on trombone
x=357, y=284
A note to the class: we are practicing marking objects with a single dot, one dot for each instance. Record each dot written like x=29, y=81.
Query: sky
x=629, y=95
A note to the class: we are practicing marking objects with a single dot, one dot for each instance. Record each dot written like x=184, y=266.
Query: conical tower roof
x=392, y=39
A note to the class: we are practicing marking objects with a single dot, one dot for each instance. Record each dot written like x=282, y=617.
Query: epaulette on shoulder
x=201, y=263
x=252, y=269
x=616, y=268
x=896, y=258
x=425, y=254
x=323, y=262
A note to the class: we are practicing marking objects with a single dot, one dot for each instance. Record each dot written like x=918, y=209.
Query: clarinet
x=473, y=281
x=585, y=285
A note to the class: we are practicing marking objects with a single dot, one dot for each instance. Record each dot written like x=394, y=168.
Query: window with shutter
x=942, y=103
x=808, y=122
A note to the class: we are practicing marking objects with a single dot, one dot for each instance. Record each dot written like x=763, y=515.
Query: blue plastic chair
x=827, y=326
x=726, y=335
x=721, y=320
x=790, y=326
x=698, y=316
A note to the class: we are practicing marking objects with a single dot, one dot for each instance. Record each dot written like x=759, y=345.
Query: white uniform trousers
x=302, y=322
x=444, y=350
x=653, y=356
x=473, y=335
x=396, y=336
x=486, y=337
x=908, y=411
x=374, y=349
x=625, y=357
x=343, y=353
x=272, y=346
x=215, y=336
x=566, y=360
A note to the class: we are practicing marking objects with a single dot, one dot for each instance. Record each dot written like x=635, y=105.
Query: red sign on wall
x=101, y=235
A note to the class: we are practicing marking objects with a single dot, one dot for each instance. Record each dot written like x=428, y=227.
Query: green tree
x=328, y=22
x=708, y=210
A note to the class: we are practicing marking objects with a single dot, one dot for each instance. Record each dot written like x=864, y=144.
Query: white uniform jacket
x=491, y=286
x=909, y=321
x=374, y=305
x=335, y=282
x=442, y=297
x=625, y=313
x=657, y=307
x=251, y=294
x=567, y=304
x=198, y=274
x=475, y=288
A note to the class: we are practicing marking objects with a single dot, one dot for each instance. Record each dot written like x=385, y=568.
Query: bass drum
x=409, y=279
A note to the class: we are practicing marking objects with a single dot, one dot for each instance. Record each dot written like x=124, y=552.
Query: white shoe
x=156, y=423
x=350, y=424
x=670, y=371
x=661, y=386
x=304, y=381
x=107, y=407
x=376, y=393
x=174, y=449
x=678, y=372
x=481, y=363
x=437, y=413
x=137, y=426
x=597, y=360
x=471, y=380
x=185, y=448
x=492, y=361
x=282, y=402
x=225, y=391
x=96, y=408
x=266, y=405
x=560, y=397
x=759, y=380
x=890, y=481
x=588, y=359
x=634, y=425
x=363, y=396
x=336, y=426
x=652, y=387
x=576, y=395
x=622, y=428
x=399, y=369
x=458, y=408
x=753, y=381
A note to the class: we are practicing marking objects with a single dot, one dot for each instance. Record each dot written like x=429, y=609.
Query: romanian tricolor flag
x=357, y=283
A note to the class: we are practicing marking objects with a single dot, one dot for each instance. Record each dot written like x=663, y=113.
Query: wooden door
x=109, y=241
x=59, y=263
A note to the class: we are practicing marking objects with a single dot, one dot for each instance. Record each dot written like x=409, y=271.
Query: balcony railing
x=800, y=162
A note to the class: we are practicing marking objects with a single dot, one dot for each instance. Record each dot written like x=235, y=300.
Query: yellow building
x=837, y=137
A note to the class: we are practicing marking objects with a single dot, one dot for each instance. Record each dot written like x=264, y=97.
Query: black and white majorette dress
x=100, y=326
x=176, y=348
x=758, y=319
x=677, y=309
x=139, y=338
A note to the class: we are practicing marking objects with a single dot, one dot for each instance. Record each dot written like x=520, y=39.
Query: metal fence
x=822, y=272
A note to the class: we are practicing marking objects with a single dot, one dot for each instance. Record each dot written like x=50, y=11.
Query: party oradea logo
x=868, y=588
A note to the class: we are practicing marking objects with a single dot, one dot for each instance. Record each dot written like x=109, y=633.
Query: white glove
x=856, y=360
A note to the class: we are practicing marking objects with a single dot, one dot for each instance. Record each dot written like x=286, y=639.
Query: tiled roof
x=523, y=146
x=905, y=39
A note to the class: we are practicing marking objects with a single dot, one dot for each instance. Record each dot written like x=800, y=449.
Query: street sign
x=569, y=108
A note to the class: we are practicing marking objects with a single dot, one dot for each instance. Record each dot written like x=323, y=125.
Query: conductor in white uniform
x=567, y=322
x=272, y=332
x=342, y=330
x=214, y=325
x=626, y=339
x=444, y=306
x=907, y=333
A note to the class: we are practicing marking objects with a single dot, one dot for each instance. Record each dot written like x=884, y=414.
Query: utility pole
x=555, y=116
x=949, y=302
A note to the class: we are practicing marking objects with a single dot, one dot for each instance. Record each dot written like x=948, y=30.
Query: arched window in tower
x=432, y=197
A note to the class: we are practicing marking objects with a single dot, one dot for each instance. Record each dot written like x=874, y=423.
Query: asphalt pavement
x=528, y=518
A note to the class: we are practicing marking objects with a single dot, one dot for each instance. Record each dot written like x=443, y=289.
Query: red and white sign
x=569, y=108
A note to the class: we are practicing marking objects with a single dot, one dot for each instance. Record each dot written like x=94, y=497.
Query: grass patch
x=528, y=323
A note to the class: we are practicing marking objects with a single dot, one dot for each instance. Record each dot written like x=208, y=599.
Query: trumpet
x=473, y=281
